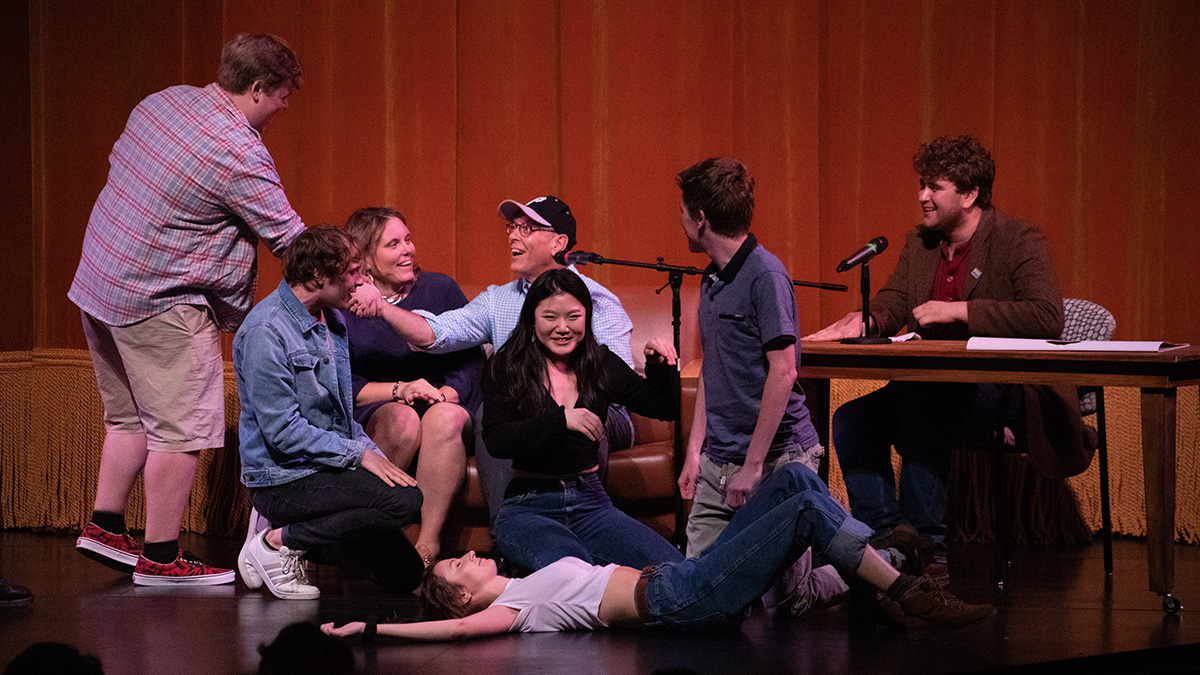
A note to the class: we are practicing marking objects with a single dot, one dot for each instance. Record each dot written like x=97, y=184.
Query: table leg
x=1158, y=463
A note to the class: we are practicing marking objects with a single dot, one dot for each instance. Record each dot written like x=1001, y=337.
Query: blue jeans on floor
x=545, y=520
x=924, y=421
x=348, y=518
x=791, y=511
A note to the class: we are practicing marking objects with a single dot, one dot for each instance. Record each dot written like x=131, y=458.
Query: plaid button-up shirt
x=190, y=191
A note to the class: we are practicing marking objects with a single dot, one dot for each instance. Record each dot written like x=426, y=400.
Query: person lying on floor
x=790, y=511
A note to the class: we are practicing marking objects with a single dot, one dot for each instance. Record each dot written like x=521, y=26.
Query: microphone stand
x=675, y=274
x=865, y=287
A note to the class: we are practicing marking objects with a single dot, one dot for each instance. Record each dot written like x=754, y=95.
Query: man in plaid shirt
x=169, y=260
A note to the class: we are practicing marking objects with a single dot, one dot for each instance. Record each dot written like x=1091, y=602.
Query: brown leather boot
x=905, y=539
x=925, y=607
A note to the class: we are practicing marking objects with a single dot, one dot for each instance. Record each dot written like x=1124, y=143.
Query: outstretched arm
x=494, y=620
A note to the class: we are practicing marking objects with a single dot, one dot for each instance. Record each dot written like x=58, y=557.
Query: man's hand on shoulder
x=937, y=312
x=845, y=327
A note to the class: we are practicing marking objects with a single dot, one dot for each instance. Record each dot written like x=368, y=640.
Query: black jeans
x=348, y=518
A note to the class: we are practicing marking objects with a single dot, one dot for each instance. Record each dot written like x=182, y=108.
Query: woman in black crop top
x=546, y=395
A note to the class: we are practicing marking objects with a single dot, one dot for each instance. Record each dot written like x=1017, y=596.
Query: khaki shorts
x=162, y=377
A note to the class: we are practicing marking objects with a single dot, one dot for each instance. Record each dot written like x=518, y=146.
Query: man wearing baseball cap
x=537, y=230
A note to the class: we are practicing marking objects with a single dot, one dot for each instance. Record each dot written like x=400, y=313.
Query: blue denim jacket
x=293, y=375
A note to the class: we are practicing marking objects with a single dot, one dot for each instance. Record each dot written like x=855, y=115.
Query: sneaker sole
x=10, y=604
x=199, y=580
x=295, y=595
x=265, y=580
x=923, y=632
x=106, y=555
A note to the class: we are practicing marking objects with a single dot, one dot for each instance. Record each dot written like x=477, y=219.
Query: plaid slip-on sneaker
x=118, y=551
x=186, y=570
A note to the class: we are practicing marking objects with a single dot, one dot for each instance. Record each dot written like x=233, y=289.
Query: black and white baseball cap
x=549, y=211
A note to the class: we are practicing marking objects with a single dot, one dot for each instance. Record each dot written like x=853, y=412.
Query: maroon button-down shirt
x=950, y=280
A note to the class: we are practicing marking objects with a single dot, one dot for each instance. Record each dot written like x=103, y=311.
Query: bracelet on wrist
x=396, y=391
x=369, y=630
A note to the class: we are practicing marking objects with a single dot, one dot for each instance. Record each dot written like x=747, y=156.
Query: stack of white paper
x=1026, y=344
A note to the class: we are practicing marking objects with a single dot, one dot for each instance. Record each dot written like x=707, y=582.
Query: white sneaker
x=244, y=569
x=282, y=570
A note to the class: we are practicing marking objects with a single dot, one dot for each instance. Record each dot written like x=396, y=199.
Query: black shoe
x=14, y=596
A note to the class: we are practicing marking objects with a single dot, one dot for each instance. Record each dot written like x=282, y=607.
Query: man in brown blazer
x=966, y=270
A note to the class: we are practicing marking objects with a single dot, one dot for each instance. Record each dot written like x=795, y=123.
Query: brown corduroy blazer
x=1012, y=291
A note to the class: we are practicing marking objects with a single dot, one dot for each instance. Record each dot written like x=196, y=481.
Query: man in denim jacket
x=327, y=490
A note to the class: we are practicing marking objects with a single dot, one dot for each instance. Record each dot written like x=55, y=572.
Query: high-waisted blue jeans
x=791, y=511
x=544, y=520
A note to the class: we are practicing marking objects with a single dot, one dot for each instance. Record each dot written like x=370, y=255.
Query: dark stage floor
x=1057, y=607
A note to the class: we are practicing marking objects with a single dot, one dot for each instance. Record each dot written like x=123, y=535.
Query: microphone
x=862, y=255
x=576, y=258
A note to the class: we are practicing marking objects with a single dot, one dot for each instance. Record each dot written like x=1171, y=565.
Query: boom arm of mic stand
x=841, y=288
x=663, y=267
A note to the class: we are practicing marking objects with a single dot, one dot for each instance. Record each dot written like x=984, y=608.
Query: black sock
x=110, y=521
x=900, y=586
x=161, y=552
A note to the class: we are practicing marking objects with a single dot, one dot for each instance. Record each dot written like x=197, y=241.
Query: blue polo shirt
x=745, y=308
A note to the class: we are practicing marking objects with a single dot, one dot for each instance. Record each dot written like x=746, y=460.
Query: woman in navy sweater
x=410, y=401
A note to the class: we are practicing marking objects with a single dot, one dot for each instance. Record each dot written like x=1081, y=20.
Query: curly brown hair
x=962, y=160
x=322, y=252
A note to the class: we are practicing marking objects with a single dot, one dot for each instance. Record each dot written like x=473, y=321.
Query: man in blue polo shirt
x=750, y=416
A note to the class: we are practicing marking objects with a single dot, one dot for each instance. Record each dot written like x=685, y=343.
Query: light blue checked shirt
x=493, y=314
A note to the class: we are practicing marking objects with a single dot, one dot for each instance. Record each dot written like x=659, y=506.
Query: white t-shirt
x=564, y=595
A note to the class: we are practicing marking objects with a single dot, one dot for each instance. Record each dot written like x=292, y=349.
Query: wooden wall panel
x=443, y=109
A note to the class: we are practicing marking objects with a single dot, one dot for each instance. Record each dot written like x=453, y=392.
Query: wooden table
x=1157, y=374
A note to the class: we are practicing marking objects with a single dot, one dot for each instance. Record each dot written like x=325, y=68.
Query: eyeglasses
x=525, y=229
